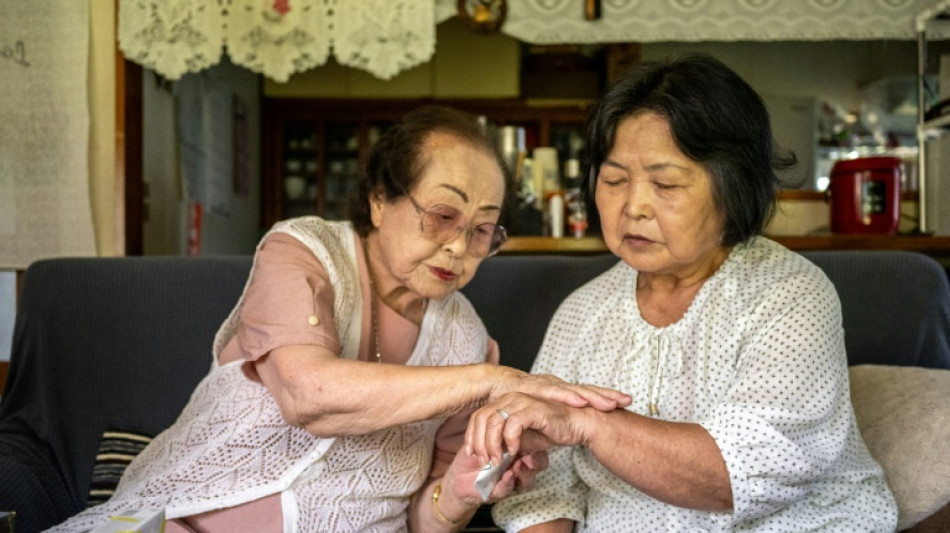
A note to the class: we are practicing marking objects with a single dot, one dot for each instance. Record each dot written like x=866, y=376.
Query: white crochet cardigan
x=230, y=445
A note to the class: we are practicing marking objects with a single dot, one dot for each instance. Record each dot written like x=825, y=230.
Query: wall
x=464, y=65
x=834, y=71
x=238, y=231
x=162, y=233
x=165, y=227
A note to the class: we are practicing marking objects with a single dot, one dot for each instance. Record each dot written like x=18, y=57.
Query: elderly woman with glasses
x=343, y=377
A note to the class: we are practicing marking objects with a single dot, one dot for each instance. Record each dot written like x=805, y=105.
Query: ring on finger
x=503, y=414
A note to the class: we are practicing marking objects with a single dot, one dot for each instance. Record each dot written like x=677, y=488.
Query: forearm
x=678, y=463
x=329, y=396
x=452, y=514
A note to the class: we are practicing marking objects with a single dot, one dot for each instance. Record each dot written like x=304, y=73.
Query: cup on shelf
x=295, y=187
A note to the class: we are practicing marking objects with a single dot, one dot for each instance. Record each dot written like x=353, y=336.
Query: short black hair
x=397, y=160
x=716, y=119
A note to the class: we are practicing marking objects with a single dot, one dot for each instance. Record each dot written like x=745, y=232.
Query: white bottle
x=556, y=215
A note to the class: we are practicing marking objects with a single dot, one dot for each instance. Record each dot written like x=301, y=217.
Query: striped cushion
x=116, y=451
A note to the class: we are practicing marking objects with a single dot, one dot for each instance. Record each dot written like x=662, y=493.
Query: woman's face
x=656, y=205
x=457, y=175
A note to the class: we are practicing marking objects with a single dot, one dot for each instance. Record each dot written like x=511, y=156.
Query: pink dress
x=290, y=284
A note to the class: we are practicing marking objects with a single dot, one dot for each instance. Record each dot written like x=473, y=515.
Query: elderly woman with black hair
x=730, y=345
x=329, y=403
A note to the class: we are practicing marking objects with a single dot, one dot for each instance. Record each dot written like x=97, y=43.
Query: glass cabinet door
x=313, y=149
x=342, y=148
x=300, y=170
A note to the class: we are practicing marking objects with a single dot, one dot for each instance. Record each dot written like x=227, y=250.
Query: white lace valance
x=279, y=37
x=384, y=37
x=562, y=21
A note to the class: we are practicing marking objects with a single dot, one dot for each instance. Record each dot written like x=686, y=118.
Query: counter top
x=936, y=245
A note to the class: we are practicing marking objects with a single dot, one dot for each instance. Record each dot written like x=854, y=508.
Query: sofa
x=114, y=346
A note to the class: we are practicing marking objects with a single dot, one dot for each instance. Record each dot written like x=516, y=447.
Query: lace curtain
x=560, y=21
x=279, y=37
x=384, y=37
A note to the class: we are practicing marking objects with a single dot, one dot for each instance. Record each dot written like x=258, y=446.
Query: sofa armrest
x=938, y=522
x=31, y=485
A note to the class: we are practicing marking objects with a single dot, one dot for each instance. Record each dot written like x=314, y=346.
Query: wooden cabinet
x=312, y=149
x=311, y=154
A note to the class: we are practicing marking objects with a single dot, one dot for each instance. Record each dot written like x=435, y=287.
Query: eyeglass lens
x=442, y=223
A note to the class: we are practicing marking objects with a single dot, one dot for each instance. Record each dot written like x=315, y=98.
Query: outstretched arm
x=678, y=463
x=329, y=396
x=298, y=361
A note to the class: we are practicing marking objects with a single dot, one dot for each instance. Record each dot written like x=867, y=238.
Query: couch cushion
x=895, y=306
x=116, y=451
x=904, y=417
x=516, y=296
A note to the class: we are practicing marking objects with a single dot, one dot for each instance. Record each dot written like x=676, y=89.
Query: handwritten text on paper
x=15, y=53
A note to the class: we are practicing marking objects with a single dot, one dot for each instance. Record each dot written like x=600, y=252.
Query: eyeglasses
x=442, y=223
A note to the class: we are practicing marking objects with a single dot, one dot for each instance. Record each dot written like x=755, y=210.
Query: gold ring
x=503, y=414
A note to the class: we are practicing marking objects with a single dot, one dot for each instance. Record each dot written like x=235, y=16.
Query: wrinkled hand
x=533, y=424
x=554, y=388
x=520, y=476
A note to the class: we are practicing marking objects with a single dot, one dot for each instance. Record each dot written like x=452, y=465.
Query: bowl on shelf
x=295, y=187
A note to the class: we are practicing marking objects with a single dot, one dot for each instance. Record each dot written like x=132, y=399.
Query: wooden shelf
x=938, y=246
x=331, y=125
x=541, y=245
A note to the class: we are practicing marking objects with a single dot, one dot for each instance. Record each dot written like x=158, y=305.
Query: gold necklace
x=373, y=304
x=372, y=312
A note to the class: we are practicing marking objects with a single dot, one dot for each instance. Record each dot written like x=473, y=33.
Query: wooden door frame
x=129, y=151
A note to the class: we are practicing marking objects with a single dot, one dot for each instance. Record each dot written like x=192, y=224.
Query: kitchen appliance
x=865, y=195
x=795, y=126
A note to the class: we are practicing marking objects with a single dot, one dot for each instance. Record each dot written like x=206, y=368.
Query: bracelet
x=435, y=507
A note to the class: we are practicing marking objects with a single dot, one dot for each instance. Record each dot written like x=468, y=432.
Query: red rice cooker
x=865, y=195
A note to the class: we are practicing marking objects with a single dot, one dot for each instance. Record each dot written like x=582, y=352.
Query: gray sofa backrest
x=120, y=343
x=895, y=304
x=101, y=343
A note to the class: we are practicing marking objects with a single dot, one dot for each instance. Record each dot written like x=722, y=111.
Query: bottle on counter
x=577, y=220
x=555, y=215
x=574, y=204
x=526, y=218
x=547, y=175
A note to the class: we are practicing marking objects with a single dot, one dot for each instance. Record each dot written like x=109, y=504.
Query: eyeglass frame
x=469, y=228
